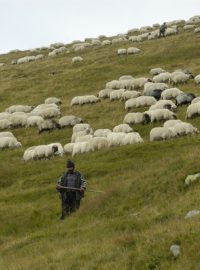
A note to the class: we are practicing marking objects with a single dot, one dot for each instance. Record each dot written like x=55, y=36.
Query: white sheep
x=51, y=100
x=18, y=119
x=125, y=128
x=195, y=100
x=69, y=120
x=115, y=139
x=197, y=30
x=121, y=51
x=29, y=153
x=103, y=132
x=162, y=77
x=106, y=42
x=116, y=94
x=81, y=147
x=125, y=77
x=184, y=128
x=6, y=134
x=193, y=110
x=104, y=93
x=149, y=87
x=77, y=59
x=19, y=108
x=68, y=148
x=34, y=121
x=171, y=123
x=180, y=78
x=80, y=100
x=5, y=123
x=161, y=133
x=9, y=142
x=156, y=71
x=170, y=93
x=140, y=82
x=197, y=79
x=48, y=125
x=43, y=151
x=160, y=114
x=130, y=94
x=136, y=118
x=133, y=50
x=132, y=137
x=164, y=104
x=99, y=143
x=4, y=115
x=171, y=31
x=81, y=127
x=46, y=110
x=189, y=26
x=141, y=101
x=84, y=138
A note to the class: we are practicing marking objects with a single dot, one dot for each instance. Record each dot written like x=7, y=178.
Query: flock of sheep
x=158, y=93
x=140, y=34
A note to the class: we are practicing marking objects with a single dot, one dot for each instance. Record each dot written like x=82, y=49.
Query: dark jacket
x=80, y=182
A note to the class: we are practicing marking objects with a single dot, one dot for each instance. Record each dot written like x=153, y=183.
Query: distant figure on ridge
x=163, y=28
x=71, y=187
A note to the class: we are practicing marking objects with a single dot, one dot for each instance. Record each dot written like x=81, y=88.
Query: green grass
x=141, y=213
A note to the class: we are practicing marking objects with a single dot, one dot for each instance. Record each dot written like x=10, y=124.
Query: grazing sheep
x=133, y=50
x=171, y=123
x=4, y=115
x=5, y=123
x=189, y=27
x=48, y=125
x=19, y=108
x=77, y=59
x=125, y=77
x=162, y=77
x=156, y=71
x=140, y=82
x=80, y=100
x=43, y=151
x=51, y=100
x=136, y=118
x=141, y=101
x=149, y=87
x=34, y=121
x=9, y=142
x=164, y=104
x=116, y=94
x=75, y=135
x=104, y=93
x=160, y=114
x=18, y=119
x=161, y=133
x=121, y=51
x=84, y=138
x=184, y=128
x=125, y=128
x=81, y=147
x=195, y=100
x=130, y=94
x=68, y=148
x=197, y=79
x=197, y=30
x=6, y=134
x=102, y=132
x=69, y=120
x=180, y=78
x=81, y=127
x=106, y=42
x=192, y=213
x=184, y=98
x=46, y=110
x=170, y=93
x=120, y=138
x=171, y=31
x=99, y=143
x=193, y=110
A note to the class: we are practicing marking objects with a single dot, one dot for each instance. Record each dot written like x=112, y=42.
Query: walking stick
x=70, y=188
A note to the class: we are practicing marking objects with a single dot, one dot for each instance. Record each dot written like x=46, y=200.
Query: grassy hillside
x=141, y=213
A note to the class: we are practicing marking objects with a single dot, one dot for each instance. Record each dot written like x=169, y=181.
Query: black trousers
x=69, y=203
